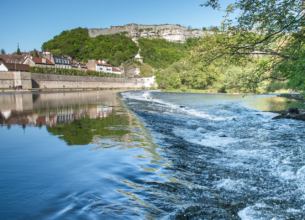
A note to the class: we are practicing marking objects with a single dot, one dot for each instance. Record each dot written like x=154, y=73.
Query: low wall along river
x=39, y=80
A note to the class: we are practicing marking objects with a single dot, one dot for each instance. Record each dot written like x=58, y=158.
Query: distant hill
x=76, y=43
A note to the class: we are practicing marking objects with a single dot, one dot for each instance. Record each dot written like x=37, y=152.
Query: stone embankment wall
x=11, y=79
x=43, y=80
x=174, y=33
x=68, y=81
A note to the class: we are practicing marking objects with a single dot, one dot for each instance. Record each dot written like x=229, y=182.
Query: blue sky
x=31, y=23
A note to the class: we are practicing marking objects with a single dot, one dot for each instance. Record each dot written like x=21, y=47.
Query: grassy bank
x=187, y=90
x=212, y=91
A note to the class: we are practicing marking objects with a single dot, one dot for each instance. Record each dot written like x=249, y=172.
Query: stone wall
x=174, y=33
x=43, y=80
x=10, y=79
x=68, y=81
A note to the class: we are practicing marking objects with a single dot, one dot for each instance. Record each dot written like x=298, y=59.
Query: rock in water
x=294, y=110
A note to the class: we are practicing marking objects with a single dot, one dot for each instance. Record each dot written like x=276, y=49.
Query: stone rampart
x=170, y=32
x=43, y=80
x=68, y=81
x=11, y=79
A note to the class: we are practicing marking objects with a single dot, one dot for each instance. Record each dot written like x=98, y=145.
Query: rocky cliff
x=173, y=33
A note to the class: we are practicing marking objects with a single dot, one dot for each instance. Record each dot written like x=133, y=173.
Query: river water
x=149, y=155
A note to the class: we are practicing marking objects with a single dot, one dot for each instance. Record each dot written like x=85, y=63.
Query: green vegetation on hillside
x=146, y=70
x=76, y=43
x=160, y=53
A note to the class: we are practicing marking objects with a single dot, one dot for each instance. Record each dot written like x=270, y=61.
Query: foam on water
x=247, y=163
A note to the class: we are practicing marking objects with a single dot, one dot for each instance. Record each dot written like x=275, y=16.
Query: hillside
x=76, y=43
x=160, y=53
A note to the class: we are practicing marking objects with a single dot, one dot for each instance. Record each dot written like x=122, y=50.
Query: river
x=149, y=155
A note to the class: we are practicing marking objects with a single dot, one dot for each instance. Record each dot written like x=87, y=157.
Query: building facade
x=14, y=67
x=36, y=61
x=61, y=61
x=102, y=66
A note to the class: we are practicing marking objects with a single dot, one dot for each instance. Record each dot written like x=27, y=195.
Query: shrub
x=51, y=70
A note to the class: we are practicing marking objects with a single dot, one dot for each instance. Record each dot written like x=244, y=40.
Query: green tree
x=146, y=70
x=160, y=53
x=18, y=51
x=213, y=28
x=272, y=28
x=3, y=51
x=77, y=44
x=204, y=28
x=36, y=53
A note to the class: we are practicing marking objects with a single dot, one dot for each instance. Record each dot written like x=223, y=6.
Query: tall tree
x=3, y=51
x=272, y=28
x=18, y=51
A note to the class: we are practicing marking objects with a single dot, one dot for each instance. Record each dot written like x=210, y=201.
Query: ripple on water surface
x=229, y=161
x=173, y=156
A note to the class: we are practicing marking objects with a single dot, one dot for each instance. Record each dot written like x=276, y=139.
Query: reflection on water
x=86, y=156
x=42, y=177
x=76, y=117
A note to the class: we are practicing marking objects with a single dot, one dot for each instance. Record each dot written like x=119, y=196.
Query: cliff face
x=173, y=33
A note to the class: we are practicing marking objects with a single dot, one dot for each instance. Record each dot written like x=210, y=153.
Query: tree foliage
x=18, y=52
x=76, y=43
x=146, y=70
x=3, y=51
x=270, y=27
x=189, y=74
x=160, y=53
x=64, y=71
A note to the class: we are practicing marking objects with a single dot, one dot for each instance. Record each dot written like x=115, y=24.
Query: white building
x=102, y=66
x=147, y=82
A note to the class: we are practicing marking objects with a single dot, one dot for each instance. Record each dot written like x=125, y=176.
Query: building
x=36, y=61
x=116, y=71
x=139, y=58
x=78, y=65
x=102, y=66
x=12, y=58
x=14, y=67
x=61, y=61
x=147, y=82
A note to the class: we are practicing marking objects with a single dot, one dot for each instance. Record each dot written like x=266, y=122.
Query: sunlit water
x=152, y=155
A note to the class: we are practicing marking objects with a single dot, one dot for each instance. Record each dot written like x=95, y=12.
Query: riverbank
x=209, y=91
x=294, y=112
x=292, y=96
x=5, y=90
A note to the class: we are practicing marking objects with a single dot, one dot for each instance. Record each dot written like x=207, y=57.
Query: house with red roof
x=37, y=61
x=14, y=67
x=102, y=66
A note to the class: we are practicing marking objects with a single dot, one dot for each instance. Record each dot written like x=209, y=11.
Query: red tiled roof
x=115, y=69
x=102, y=64
x=39, y=61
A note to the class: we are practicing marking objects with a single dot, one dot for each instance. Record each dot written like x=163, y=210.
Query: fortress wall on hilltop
x=131, y=28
